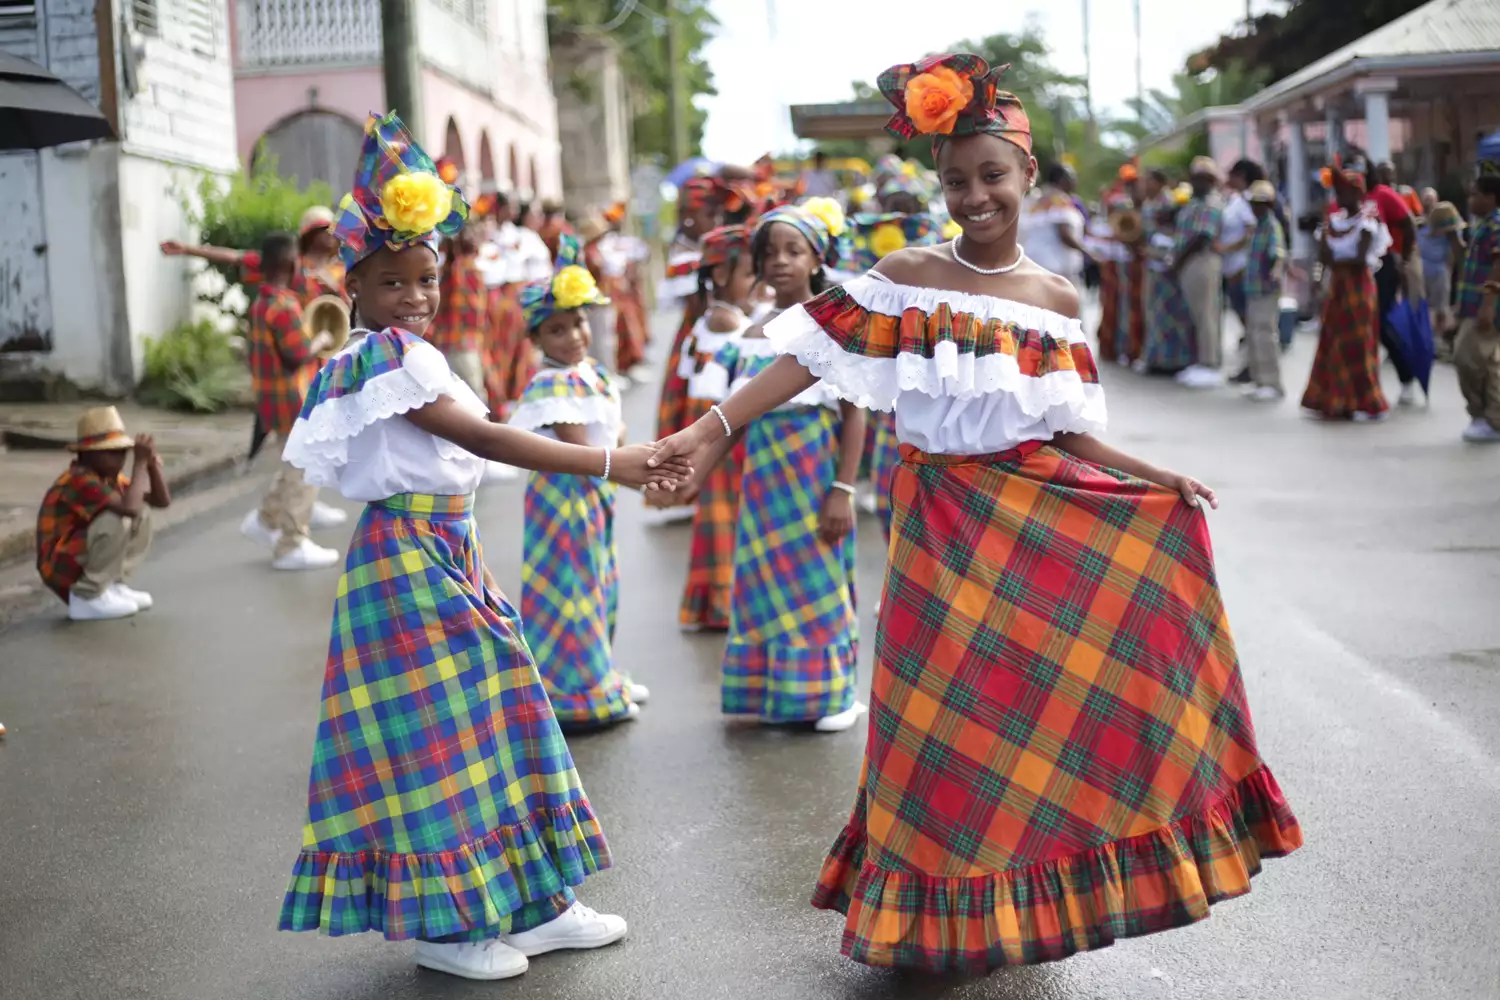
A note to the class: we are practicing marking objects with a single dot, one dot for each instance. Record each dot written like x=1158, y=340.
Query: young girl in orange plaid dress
x=1060, y=751
x=699, y=207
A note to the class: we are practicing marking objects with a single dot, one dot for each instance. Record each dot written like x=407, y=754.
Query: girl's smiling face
x=564, y=337
x=985, y=179
x=787, y=262
x=397, y=288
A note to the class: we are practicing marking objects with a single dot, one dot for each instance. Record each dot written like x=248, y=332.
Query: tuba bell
x=327, y=314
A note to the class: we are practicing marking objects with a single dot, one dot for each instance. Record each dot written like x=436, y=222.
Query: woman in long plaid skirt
x=793, y=633
x=443, y=806
x=699, y=208
x=570, y=586
x=1060, y=751
x=1345, y=380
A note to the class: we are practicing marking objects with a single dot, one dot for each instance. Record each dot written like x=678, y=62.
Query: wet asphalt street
x=152, y=785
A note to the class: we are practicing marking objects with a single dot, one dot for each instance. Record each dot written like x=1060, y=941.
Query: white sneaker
x=1202, y=378
x=1363, y=417
x=1267, y=394
x=496, y=472
x=1140, y=367
x=641, y=374
x=639, y=693
x=108, y=605
x=307, y=555
x=1481, y=431
x=492, y=959
x=632, y=712
x=842, y=721
x=623, y=382
x=253, y=528
x=1408, y=395
x=867, y=502
x=576, y=927
x=326, y=516
x=139, y=598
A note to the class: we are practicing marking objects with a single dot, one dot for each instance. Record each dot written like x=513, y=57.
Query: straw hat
x=1205, y=166
x=317, y=217
x=1262, y=192
x=1444, y=218
x=592, y=226
x=101, y=429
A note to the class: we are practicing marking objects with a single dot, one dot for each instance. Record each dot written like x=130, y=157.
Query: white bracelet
x=728, y=431
x=606, y=464
x=845, y=487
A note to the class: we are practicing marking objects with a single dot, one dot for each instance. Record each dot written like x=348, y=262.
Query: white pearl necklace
x=1020, y=256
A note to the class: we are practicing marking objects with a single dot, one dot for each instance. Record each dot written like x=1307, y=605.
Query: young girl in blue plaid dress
x=793, y=632
x=443, y=806
x=570, y=586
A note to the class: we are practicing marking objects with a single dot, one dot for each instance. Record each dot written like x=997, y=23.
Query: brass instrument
x=327, y=314
x=1127, y=226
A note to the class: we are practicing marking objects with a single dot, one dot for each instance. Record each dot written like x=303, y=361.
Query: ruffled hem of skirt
x=474, y=888
x=1048, y=911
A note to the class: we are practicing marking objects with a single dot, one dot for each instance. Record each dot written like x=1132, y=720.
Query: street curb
x=22, y=542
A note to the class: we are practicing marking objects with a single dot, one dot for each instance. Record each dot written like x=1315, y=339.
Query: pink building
x=308, y=72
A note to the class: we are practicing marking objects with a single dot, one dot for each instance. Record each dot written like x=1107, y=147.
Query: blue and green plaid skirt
x=443, y=804
x=793, y=634
x=570, y=594
x=1170, y=340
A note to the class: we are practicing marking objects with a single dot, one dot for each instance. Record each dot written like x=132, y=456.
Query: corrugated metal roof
x=1439, y=28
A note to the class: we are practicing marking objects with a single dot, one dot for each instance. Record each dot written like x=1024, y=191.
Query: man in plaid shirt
x=283, y=362
x=463, y=317
x=1262, y=284
x=1476, y=350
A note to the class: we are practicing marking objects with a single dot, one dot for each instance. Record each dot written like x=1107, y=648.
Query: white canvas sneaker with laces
x=493, y=959
x=139, y=598
x=577, y=927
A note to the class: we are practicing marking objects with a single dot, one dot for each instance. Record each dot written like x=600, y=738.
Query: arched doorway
x=313, y=145
x=453, y=147
x=486, y=162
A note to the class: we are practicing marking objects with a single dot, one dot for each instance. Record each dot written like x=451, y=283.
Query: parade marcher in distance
x=1476, y=350
x=94, y=526
x=1060, y=750
x=473, y=827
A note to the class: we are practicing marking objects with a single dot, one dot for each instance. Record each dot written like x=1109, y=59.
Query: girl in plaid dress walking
x=1060, y=751
x=570, y=586
x=1345, y=380
x=443, y=806
x=793, y=633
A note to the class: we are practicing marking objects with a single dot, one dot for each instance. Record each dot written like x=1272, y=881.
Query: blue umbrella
x=1411, y=337
x=690, y=168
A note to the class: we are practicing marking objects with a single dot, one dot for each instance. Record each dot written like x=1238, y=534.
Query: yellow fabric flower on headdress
x=887, y=239
x=573, y=287
x=415, y=202
x=952, y=230
x=828, y=212
x=1182, y=194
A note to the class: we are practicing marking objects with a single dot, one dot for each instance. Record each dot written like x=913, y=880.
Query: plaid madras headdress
x=953, y=96
x=723, y=244
x=820, y=221
x=699, y=191
x=878, y=235
x=398, y=200
x=570, y=287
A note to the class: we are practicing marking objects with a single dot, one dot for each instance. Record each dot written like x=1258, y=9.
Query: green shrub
x=194, y=367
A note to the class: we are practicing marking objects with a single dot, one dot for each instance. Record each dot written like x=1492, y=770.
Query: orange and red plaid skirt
x=510, y=362
x=710, y=579
x=630, y=326
x=1134, y=294
x=1060, y=751
x=1345, y=377
x=672, y=411
x=1109, y=310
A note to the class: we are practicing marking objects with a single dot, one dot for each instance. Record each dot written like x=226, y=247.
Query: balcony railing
x=274, y=33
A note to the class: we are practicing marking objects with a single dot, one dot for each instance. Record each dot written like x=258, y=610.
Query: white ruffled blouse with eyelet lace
x=355, y=438
x=966, y=374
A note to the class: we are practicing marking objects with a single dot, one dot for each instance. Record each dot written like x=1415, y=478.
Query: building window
x=145, y=16
x=12, y=11
x=473, y=12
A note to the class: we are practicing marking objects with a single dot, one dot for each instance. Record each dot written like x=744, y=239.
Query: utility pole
x=676, y=105
x=398, y=36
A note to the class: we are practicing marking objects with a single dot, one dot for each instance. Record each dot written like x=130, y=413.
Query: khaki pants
x=469, y=366
x=1263, y=339
x=1202, y=280
x=1476, y=356
x=287, y=507
x=116, y=546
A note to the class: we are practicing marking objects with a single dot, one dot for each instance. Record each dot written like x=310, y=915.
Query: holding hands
x=635, y=466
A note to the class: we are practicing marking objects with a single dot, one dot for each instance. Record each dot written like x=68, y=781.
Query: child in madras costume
x=570, y=583
x=443, y=805
x=1060, y=750
x=726, y=279
x=793, y=633
x=699, y=208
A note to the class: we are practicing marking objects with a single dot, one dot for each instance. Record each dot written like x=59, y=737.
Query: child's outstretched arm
x=214, y=255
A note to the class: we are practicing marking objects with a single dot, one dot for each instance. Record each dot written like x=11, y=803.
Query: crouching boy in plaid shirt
x=283, y=363
x=94, y=526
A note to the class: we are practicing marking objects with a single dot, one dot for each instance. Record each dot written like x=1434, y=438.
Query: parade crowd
x=1059, y=749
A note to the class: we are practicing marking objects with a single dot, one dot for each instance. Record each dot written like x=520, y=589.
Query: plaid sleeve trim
x=385, y=375
x=563, y=396
x=873, y=340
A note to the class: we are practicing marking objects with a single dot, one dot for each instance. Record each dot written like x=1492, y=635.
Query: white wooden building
x=83, y=281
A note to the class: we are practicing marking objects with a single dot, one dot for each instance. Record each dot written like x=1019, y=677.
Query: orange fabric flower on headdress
x=935, y=98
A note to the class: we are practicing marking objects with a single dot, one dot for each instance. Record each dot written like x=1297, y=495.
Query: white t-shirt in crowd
x=1038, y=232
x=1238, y=222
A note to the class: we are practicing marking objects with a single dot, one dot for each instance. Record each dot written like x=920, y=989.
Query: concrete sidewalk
x=33, y=452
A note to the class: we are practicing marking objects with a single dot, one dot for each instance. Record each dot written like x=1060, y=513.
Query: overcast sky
x=819, y=46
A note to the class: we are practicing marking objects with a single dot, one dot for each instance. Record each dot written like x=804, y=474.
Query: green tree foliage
x=1280, y=44
x=1191, y=92
x=642, y=36
x=192, y=367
